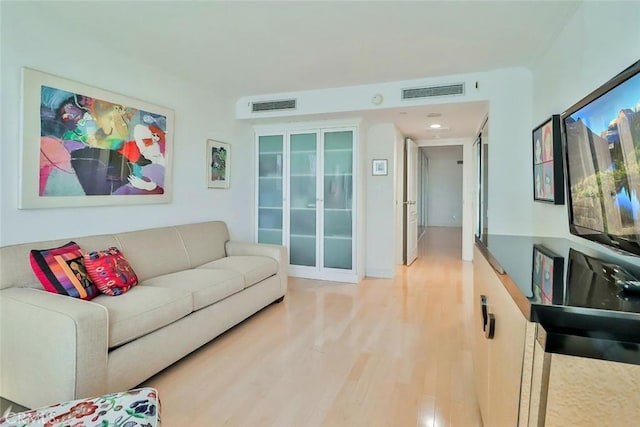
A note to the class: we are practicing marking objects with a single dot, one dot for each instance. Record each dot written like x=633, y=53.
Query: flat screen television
x=601, y=144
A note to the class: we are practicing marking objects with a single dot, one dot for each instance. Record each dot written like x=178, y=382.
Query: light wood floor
x=381, y=353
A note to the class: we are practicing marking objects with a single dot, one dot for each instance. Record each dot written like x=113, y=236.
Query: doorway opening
x=444, y=125
x=442, y=196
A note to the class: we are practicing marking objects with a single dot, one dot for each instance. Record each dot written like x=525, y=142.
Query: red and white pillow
x=110, y=271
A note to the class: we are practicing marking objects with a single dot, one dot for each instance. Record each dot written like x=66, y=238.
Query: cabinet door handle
x=491, y=326
x=483, y=307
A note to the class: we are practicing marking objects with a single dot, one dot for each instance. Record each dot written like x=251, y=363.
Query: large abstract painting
x=83, y=146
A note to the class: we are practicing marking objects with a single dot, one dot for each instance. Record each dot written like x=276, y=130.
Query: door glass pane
x=270, y=163
x=302, y=182
x=338, y=199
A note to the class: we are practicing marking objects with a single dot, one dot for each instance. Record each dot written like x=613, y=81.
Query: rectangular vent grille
x=286, y=104
x=427, y=92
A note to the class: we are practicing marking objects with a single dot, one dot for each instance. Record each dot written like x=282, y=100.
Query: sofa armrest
x=277, y=252
x=53, y=348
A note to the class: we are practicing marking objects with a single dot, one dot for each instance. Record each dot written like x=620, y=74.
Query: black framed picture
x=547, y=282
x=548, y=176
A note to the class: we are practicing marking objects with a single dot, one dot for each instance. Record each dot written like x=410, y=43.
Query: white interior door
x=410, y=202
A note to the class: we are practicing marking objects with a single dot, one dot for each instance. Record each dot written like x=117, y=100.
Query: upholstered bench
x=133, y=408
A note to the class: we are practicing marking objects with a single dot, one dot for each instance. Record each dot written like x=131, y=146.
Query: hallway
x=382, y=353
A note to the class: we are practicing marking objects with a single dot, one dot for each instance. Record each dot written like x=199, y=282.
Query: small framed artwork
x=548, y=176
x=218, y=164
x=546, y=281
x=379, y=167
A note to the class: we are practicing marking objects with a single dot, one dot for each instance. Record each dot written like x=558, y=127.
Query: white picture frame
x=218, y=164
x=379, y=167
x=85, y=146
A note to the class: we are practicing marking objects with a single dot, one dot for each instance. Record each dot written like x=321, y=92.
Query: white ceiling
x=234, y=49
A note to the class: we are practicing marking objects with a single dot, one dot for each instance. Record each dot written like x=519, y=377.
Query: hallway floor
x=382, y=353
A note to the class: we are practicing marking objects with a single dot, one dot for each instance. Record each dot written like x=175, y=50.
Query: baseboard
x=328, y=274
x=381, y=273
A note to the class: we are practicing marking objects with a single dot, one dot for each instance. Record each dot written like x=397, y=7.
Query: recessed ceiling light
x=435, y=126
x=434, y=115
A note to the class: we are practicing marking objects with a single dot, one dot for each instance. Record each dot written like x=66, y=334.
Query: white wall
x=358, y=98
x=398, y=198
x=380, y=212
x=29, y=39
x=509, y=200
x=444, y=189
x=598, y=42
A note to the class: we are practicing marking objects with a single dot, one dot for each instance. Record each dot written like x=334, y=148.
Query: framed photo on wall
x=379, y=167
x=86, y=146
x=218, y=164
x=548, y=176
x=546, y=281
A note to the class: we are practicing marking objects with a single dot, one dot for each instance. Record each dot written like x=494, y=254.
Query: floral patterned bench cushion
x=133, y=408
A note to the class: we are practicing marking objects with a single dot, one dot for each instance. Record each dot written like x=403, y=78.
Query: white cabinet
x=518, y=383
x=500, y=332
x=306, y=198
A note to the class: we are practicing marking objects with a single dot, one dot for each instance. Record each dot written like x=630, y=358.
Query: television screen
x=602, y=150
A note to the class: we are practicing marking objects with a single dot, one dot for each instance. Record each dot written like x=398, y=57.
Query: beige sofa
x=194, y=284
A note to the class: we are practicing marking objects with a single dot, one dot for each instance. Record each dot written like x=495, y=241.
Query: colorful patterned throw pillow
x=110, y=271
x=62, y=271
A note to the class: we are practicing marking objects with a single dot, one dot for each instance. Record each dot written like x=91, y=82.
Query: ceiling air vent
x=286, y=104
x=431, y=91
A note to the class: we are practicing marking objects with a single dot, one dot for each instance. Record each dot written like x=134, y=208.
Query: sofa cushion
x=206, y=286
x=110, y=271
x=253, y=268
x=204, y=242
x=142, y=310
x=61, y=270
x=154, y=252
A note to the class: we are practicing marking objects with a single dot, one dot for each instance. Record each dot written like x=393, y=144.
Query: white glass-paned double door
x=306, y=199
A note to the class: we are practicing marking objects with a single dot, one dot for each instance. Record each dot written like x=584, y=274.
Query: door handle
x=483, y=308
x=491, y=326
